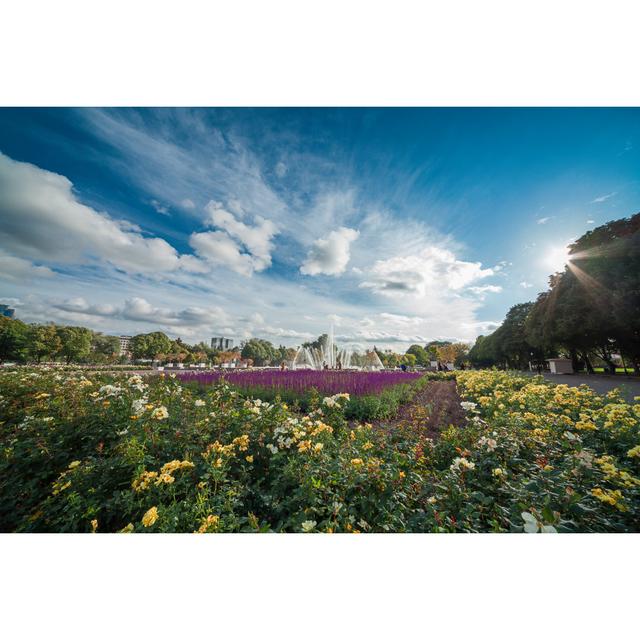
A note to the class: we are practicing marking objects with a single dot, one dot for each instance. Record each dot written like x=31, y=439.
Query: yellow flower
x=305, y=445
x=242, y=442
x=94, y=526
x=634, y=453
x=249, y=459
x=106, y=403
x=356, y=462
x=150, y=517
x=127, y=529
x=74, y=464
x=402, y=474
x=367, y=445
x=318, y=446
x=209, y=522
x=613, y=498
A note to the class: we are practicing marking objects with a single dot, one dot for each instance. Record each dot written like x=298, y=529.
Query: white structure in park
x=331, y=356
x=560, y=365
x=125, y=345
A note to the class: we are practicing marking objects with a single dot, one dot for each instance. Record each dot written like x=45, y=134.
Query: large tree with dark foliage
x=593, y=306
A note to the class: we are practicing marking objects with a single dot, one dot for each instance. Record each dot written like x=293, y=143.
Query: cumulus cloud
x=41, y=218
x=330, y=255
x=18, y=269
x=236, y=245
x=432, y=268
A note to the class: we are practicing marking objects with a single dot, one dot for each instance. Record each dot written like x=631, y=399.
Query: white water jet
x=330, y=355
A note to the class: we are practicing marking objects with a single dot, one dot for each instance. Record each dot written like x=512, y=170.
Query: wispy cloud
x=526, y=285
x=544, y=220
x=603, y=198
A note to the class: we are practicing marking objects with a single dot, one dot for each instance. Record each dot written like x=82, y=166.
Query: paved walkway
x=629, y=385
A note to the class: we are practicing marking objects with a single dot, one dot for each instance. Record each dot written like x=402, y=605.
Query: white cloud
x=431, y=269
x=19, y=269
x=488, y=288
x=526, y=285
x=162, y=209
x=236, y=245
x=187, y=203
x=217, y=248
x=330, y=255
x=591, y=221
x=603, y=198
x=281, y=169
x=140, y=310
x=544, y=220
x=41, y=218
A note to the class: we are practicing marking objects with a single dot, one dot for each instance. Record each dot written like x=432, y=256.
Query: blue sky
x=397, y=225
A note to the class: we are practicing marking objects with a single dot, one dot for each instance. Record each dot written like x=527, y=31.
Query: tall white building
x=125, y=345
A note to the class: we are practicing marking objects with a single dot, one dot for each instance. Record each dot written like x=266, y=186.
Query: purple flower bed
x=356, y=383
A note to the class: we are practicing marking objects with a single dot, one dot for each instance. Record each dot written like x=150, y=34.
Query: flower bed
x=355, y=383
x=373, y=395
x=107, y=453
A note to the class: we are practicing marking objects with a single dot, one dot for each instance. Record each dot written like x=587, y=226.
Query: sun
x=556, y=257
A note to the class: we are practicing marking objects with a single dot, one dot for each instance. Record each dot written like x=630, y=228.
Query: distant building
x=125, y=345
x=7, y=311
x=223, y=344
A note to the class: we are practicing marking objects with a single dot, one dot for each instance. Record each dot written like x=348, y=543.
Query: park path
x=600, y=383
x=432, y=409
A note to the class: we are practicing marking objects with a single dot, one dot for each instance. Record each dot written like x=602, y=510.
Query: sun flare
x=556, y=258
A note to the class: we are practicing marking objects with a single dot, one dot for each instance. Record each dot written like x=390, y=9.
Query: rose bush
x=93, y=452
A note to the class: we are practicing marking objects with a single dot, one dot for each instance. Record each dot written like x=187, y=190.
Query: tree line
x=590, y=313
x=26, y=343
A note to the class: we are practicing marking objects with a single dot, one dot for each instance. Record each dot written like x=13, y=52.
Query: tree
x=319, y=343
x=454, y=352
x=149, y=345
x=421, y=356
x=105, y=348
x=431, y=348
x=262, y=352
x=44, y=342
x=13, y=340
x=592, y=307
x=409, y=359
x=76, y=343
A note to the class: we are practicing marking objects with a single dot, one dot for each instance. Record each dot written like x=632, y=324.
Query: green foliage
x=117, y=453
x=14, y=339
x=75, y=343
x=421, y=357
x=43, y=342
x=150, y=345
x=261, y=352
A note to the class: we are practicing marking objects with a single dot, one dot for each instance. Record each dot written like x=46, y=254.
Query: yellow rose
x=150, y=517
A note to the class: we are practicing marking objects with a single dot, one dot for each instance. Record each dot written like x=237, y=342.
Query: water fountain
x=331, y=356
